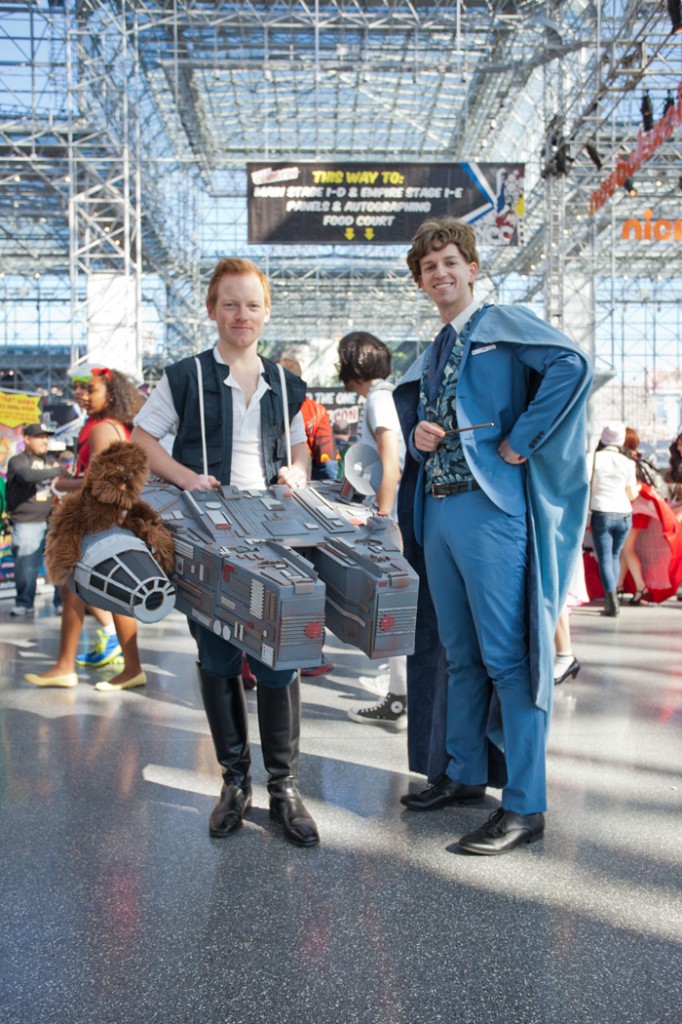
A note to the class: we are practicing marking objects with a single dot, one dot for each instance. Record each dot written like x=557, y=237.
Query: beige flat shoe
x=139, y=680
x=67, y=679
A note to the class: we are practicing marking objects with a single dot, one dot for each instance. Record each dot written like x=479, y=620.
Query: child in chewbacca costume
x=109, y=498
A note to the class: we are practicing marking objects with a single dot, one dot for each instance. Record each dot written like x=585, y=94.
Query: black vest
x=182, y=378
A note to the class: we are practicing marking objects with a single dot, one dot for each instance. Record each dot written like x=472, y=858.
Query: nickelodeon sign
x=648, y=230
x=647, y=144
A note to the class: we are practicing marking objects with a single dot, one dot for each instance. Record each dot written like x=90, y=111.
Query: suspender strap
x=285, y=403
x=200, y=382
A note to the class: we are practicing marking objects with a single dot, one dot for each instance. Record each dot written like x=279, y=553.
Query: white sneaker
x=19, y=611
x=376, y=684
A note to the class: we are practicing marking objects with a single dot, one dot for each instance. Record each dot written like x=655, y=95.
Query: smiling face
x=37, y=445
x=447, y=278
x=240, y=312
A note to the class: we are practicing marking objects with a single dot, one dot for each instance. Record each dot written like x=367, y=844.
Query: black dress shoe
x=228, y=813
x=572, y=671
x=442, y=792
x=502, y=832
x=289, y=811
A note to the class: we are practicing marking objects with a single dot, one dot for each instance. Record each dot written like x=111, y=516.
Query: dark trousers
x=221, y=658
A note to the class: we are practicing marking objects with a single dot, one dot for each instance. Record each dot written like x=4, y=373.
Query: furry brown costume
x=109, y=498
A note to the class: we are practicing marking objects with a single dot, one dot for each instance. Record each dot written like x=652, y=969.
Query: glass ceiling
x=126, y=125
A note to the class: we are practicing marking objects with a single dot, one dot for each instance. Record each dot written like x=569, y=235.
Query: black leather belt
x=445, y=490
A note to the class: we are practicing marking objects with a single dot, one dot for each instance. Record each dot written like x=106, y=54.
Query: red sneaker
x=318, y=670
x=248, y=678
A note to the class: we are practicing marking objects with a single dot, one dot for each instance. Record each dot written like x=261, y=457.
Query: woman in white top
x=613, y=489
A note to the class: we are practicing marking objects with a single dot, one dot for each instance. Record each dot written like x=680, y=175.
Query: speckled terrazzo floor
x=117, y=908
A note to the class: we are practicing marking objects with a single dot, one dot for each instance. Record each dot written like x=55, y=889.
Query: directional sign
x=380, y=204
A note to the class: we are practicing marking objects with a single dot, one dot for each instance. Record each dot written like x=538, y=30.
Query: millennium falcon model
x=271, y=570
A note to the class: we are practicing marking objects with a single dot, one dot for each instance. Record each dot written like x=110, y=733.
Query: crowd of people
x=481, y=446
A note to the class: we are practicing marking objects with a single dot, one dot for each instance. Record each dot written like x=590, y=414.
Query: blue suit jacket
x=531, y=381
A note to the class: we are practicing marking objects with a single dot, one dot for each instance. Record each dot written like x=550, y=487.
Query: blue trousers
x=609, y=530
x=28, y=542
x=476, y=564
x=221, y=658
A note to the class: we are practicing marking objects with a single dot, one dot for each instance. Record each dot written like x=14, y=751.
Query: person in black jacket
x=226, y=410
x=29, y=503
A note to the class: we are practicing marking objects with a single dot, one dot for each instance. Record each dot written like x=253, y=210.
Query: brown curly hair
x=436, y=234
x=124, y=401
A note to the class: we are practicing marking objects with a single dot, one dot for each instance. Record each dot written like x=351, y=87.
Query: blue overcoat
x=531, y=382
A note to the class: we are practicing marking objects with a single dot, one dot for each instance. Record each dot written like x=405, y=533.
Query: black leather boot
x=279, y=719
x=611, y=606
x=225, y=707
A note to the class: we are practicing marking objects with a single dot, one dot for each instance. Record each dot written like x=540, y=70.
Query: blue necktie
x=440, y=353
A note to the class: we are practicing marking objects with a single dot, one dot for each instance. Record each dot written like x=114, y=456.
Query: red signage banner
x=647, y=144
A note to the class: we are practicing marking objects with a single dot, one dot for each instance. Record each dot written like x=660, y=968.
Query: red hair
x=235, y=267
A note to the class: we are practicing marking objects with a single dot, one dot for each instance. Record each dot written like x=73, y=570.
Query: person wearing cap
x=29, y=503
x=613, y=488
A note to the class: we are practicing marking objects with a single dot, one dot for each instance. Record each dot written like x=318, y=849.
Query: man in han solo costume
x=245, y=427
x=500, y=512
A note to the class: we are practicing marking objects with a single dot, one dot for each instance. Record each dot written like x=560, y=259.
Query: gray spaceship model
x=117, y=572
x=270, y=570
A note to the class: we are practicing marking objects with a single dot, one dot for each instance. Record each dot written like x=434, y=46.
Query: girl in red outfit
x=111, y=403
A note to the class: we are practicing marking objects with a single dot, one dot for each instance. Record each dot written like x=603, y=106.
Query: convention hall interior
x=140, y=142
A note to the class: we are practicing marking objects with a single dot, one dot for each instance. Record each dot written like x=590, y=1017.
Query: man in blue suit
x=494, y=416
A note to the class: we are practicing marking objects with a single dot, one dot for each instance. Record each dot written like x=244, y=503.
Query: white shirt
x=379, y=413
x=462, y=318
x=612, y=473
x=158, y=416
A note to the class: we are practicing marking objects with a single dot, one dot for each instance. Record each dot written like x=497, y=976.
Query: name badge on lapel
x=480, y=351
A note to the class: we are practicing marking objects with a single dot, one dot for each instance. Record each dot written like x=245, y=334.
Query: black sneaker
x=390, y=712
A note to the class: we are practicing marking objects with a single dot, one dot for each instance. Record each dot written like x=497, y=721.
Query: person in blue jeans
x=613, y=488
x=29, y=503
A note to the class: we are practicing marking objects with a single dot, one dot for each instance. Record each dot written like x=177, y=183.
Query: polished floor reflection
x=117, y=907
